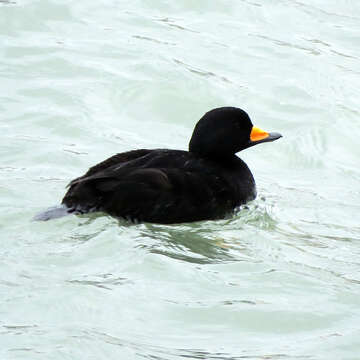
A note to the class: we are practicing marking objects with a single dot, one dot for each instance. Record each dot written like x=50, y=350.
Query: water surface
x=83, y=80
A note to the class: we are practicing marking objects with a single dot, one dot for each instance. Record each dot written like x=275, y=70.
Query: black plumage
x=173, y=186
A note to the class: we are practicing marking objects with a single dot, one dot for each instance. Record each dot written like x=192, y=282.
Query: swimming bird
x=173, y=186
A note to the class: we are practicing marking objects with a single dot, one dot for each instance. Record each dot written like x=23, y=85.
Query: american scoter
x=173, y=186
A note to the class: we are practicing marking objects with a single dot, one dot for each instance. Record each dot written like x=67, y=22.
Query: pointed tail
x=53, y=212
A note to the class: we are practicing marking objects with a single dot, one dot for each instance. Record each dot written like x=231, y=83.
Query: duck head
x=224, y=131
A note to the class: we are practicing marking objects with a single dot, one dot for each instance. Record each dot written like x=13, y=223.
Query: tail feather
x=53, y=212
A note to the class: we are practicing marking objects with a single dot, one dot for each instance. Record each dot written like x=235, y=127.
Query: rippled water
x=82, y=80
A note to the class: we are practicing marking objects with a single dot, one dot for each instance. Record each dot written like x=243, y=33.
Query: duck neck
x=218, y=157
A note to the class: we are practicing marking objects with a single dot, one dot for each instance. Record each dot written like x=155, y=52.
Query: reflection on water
x=200, y=242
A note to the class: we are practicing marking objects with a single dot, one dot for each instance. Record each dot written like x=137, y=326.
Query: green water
x=82, y=80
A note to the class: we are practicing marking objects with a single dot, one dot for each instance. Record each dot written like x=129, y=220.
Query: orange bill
x=258, y=134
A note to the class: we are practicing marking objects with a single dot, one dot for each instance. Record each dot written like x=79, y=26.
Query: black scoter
x=173, y=186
